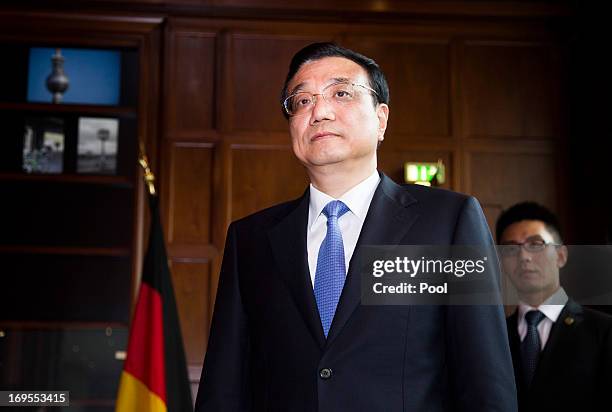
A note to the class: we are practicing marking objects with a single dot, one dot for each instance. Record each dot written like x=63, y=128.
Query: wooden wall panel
x=510, y=90
x=418, y=74
x=500, y=180
x=192, y=289
x=259, y=70
x=190, y=185
x=263, y=176
x=191, y=85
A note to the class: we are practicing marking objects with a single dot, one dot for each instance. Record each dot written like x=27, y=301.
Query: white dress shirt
x=551, y=312
x=358, y=200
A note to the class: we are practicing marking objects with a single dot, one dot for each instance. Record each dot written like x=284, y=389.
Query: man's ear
x=382, y=112
x=562, y=255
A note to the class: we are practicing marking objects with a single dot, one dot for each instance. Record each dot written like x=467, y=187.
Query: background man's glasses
x=336, y=93
x=531, y=246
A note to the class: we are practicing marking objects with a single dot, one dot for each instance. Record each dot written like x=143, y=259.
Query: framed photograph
x=94, y=76
x=97, y=147
x=43, y=145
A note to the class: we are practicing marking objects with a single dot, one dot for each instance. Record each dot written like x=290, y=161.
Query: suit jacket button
x=325, y=373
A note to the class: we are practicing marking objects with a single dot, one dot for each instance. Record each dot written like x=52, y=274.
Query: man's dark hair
x=317, y=51
x=528, y=211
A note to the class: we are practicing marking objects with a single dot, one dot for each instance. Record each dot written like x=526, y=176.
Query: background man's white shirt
x=551, y=308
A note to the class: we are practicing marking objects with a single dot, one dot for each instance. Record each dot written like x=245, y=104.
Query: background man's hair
x=528, y=211
x=317, y=51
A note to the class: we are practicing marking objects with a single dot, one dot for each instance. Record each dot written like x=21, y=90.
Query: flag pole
x=149, y=177
x=155, y=376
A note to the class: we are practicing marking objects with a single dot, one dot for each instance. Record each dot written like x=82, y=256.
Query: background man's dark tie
x=530, y=347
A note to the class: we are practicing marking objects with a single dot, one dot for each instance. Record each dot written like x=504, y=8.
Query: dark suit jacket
x=266, y=348
x=574, y=372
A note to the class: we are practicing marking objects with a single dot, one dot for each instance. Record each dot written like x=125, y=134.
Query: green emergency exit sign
x=424, y=173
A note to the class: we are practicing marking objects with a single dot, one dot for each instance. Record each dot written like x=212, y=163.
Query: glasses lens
x=298, y=103
x=509, y=250
x=340, y=93
x=535, y=246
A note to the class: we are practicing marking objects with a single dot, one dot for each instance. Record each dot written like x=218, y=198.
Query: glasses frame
x=313, y=98
x=539, y=248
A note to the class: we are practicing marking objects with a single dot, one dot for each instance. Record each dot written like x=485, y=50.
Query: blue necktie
x=331, y=268
x=530, y=347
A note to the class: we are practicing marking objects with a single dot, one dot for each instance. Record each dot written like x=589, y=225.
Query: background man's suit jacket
x=574, y=372
x=266, y=347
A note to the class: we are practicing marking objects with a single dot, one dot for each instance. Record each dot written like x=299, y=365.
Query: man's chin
x=326, y=159
x=530, y=277
x=529, y=285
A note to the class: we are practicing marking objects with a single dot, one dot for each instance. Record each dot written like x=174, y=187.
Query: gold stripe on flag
x=134, y=396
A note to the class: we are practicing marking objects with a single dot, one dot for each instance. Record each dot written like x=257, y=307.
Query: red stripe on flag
x=145, y=356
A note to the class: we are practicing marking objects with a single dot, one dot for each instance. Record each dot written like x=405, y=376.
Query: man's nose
x=321, y=109
x=523, y=254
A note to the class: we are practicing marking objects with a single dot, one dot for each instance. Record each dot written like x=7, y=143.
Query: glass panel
x=77, y=215
x=57, y=287
x=86, y=362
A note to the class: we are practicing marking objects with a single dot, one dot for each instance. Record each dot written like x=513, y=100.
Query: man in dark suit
x=562, y=352
x=289, y=332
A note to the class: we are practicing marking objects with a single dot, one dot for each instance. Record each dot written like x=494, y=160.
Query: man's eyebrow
x=296, y=88
x=333, y=80
x=340, y=80
x=514, y=242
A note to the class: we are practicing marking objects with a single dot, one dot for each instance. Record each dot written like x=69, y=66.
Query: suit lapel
x=288, y=239
x=386, y=223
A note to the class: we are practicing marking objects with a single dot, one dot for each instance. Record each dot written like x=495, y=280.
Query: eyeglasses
x=530, y=245
x=342, y=93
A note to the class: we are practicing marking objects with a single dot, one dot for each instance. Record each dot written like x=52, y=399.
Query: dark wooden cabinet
x=71, y=242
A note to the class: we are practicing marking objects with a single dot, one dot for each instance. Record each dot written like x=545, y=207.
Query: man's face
x=534, y=274
x=332, y=134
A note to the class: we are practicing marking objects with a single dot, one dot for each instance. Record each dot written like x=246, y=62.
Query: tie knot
x=335, y=208
x=534, y=317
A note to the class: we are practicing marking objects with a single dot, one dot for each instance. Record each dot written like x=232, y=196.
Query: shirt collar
x=357, y=199
x=551, y=307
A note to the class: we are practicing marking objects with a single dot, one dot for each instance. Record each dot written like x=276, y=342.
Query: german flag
x=154, y=377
